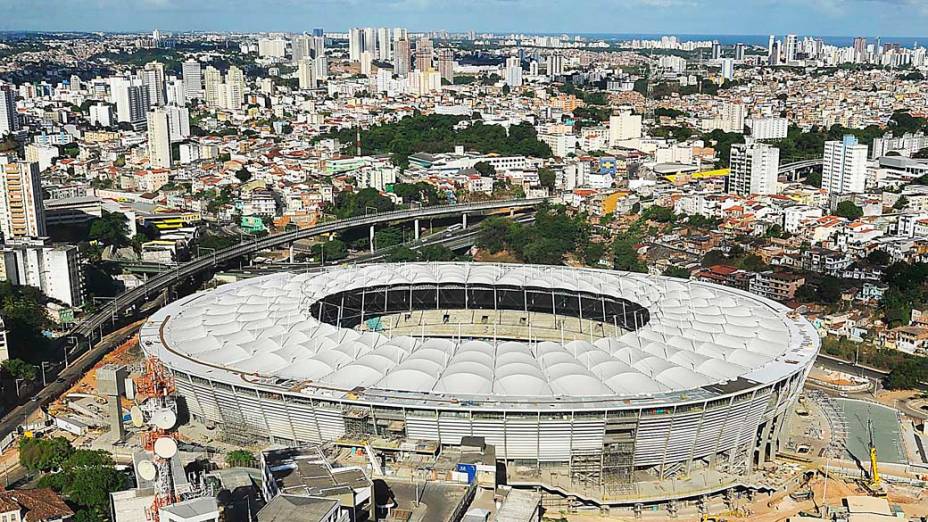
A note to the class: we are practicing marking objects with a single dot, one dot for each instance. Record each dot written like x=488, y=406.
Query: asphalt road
x=833, y=363
x=68, y=376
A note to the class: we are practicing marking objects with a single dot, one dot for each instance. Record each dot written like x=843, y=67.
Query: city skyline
x=889, y=18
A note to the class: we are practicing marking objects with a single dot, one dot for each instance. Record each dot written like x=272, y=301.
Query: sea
x=756, y=39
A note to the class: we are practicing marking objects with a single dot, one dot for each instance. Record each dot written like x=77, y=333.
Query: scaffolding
x=837, y=423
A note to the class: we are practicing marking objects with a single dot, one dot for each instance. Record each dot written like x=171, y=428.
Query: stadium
x=583, y=379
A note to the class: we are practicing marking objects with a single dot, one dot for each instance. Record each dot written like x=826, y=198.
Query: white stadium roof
x=698, y=335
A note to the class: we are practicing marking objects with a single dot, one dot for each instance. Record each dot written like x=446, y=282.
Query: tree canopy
x=435, y=133
x=848, y=210
x=553, y=234
x=111, y=228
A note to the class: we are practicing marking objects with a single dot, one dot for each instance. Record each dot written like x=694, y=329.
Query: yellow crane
x=874, y=470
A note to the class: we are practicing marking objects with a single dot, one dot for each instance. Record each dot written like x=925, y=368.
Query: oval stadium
x=582, y=379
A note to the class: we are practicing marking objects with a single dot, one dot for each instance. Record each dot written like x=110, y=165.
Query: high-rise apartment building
x=132, y=100
x=739, y=52
x=754, y=169
x=159, y=139
x=9, y=119
x=716, y=50
x=272, y=47
x=384, y=44
x=306, y=72
x=53, y=269
x=355, y=43
x=512, y=74
x=153, y=80
x=213, y=81
x=555, y=63
x=860, y=49
x=624, y=125
x=22, y=213
x=791, y=48
x=236, y=80
x=767, y=128
x=366, y=61
x=424, y=54
x=844, y=166
x=402, y=58
x=300, y=48
x=728, y=68
x=178, y=122
x=446, y=64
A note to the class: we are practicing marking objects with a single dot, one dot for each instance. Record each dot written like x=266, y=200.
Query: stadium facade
x=610, y=378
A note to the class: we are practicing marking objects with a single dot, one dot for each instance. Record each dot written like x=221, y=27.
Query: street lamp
x=43, y=373
x=199, y=248
x=17, y=385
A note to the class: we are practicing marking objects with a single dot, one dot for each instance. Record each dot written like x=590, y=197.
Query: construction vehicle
x=874, y=486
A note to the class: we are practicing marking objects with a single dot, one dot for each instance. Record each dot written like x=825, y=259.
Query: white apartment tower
x=754, y=169
x=193, y=79
x=555, y=64
x=153, y=80
x=307, y=74
x=384, y=48
x=513, y=72
x=844, y=166
x=159, y=139
x=624, y=126
x=791, y=47
x=22, y=214
x=132, y=100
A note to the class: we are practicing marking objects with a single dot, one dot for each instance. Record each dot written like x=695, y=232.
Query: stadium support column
x=463, y=221
x=416, y=225
x=372, y=239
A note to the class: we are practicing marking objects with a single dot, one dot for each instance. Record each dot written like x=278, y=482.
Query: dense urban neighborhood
x=172, y=202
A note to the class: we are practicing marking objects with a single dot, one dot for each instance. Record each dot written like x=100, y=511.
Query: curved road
x=128, y=300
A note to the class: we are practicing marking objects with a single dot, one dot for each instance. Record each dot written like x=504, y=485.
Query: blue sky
x=804, y=17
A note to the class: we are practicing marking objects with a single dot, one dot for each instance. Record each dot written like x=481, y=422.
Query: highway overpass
x=89, y=326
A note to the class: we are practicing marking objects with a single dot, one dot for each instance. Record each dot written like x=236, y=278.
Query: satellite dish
x=164, y=419
x=138, y=418
x=146, y=470
x=165, y=447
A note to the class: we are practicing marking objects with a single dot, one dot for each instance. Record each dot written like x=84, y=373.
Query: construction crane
x=874, y=470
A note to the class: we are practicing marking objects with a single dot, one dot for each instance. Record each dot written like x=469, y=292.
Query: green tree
x=87, y=478
x=20, y=369
x=485, y=169
x=901, y=203
x=753, y=263
x=494, y=234
x=814, y=179
x=243, y=175
x=402, y=254
x=658, y=213
x=848, y=210
x=593, y=253
x=921, y=154
x=677, y=271
x=714, y=257
x=43, y=454
x=110, y=229
x=240, y=458
x=329, y=250
x=547, y=178
x=878, y=258
x=436, y=253
x=625, y=256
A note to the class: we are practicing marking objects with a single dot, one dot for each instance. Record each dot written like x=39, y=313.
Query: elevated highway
x=88, y=328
